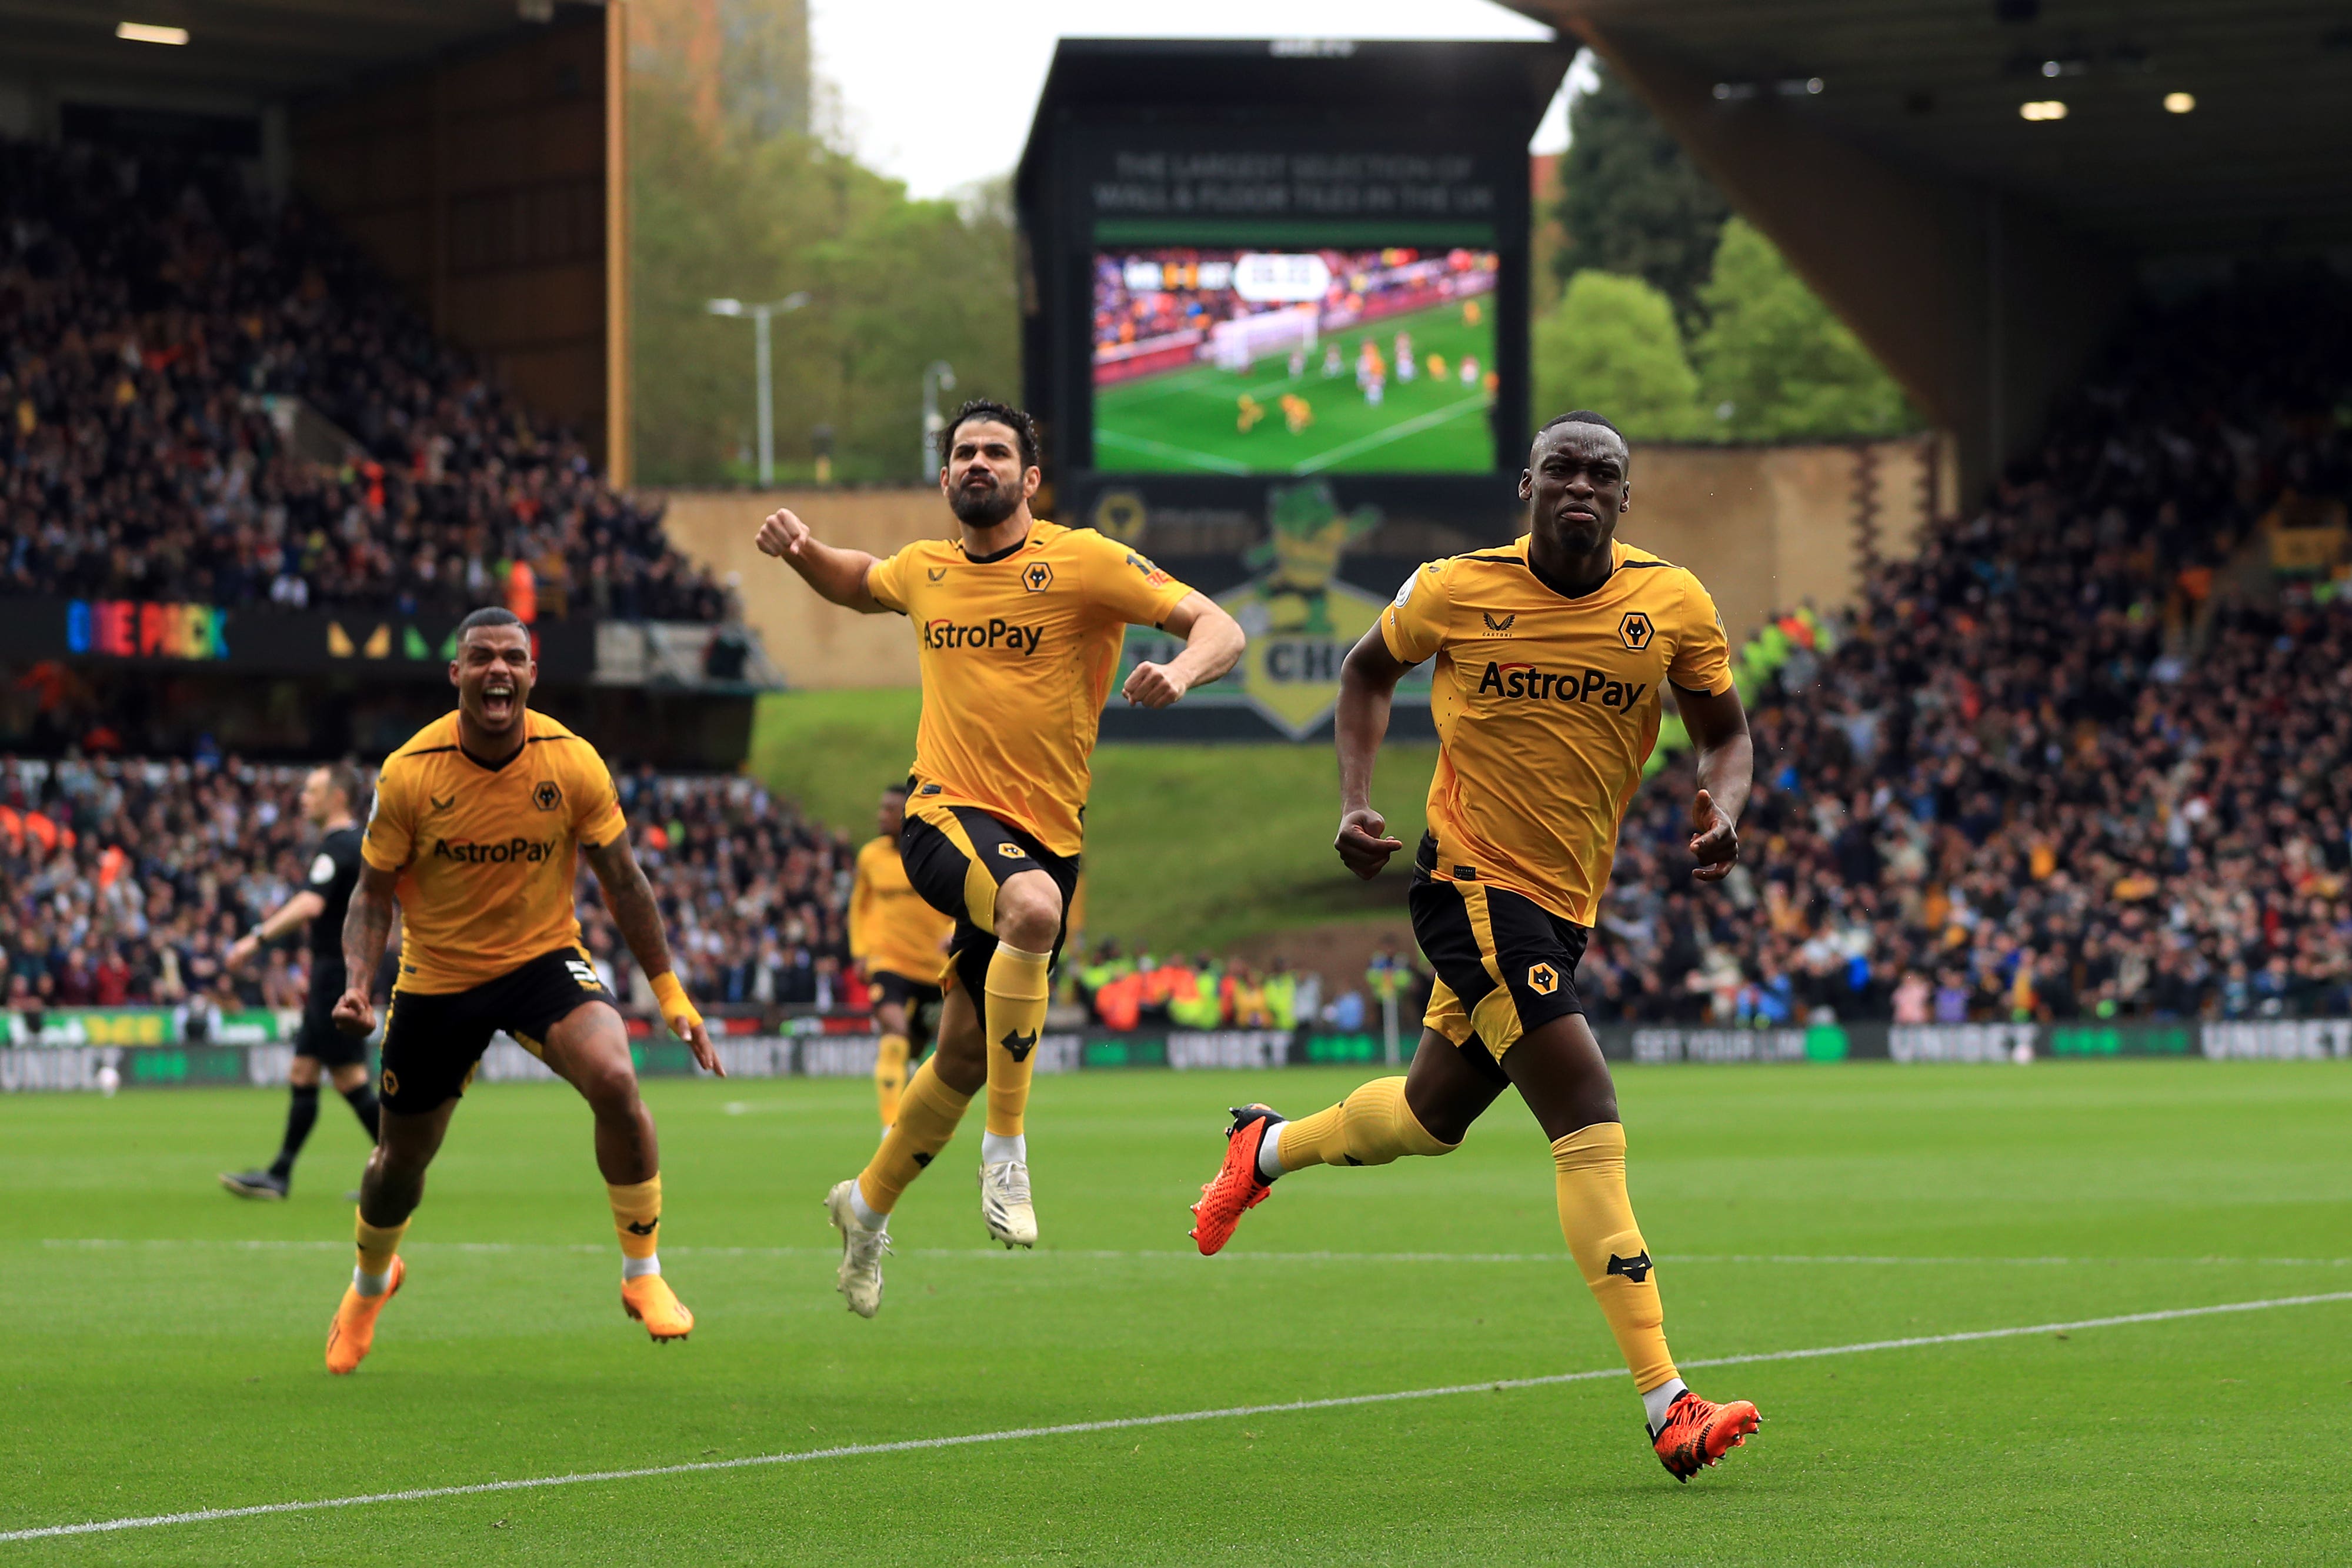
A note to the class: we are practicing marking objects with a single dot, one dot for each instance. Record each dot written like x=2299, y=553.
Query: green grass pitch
x=1184, y=421
x=163, y=1341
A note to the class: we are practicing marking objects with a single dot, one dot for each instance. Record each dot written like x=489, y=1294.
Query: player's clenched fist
x=782, y=534
x=1154, y=686
x=1364, y=844
x=355, y=1013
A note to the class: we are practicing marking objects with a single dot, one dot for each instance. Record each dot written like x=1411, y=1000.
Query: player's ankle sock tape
x=364, y=1105
x=1597, y=1219
x=928, y=1114
x=378, y=1244
x=1015, y=1015
x=636, y=1214
x=301, y=1115
x=889, y=1076
x=1370, y=1127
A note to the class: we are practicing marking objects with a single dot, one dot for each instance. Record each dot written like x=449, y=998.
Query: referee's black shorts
x=318, y=1039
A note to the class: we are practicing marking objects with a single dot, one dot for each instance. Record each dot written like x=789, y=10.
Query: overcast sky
x=940, y=94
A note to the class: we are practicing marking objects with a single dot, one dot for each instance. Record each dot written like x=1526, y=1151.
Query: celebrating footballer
x=1019, y=623
x=478, y=824
x=1552, y=656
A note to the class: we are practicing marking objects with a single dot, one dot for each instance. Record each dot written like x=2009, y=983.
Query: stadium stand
x=126, y=882
x=2087, y=756
x=156, y=318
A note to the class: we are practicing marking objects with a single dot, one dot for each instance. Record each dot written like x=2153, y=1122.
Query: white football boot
x=1005, y=1206
x=859, y=1278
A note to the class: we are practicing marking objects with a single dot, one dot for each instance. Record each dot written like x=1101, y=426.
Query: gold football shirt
x=1017, y=654
x=1547, y=707
x=487, y=855
x=890, y=925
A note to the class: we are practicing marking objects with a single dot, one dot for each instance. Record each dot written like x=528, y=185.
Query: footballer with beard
x=1020, y=624
x=476, y=831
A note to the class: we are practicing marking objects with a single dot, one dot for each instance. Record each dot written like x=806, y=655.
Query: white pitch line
x=1129, y=1423
x=993, y=1255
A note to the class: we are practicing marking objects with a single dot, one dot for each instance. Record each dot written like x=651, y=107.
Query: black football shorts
x=432, y=1042
x=957, y=856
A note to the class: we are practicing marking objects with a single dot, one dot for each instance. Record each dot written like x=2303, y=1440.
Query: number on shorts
x=583, y=973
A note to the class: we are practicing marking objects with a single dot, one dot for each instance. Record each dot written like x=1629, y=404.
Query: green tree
x=747, y=214
x=1633, y=202
x=1612, y=346
x=1774, y=356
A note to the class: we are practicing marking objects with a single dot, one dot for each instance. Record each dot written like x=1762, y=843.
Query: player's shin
x=1370, y=1127
x=889, y=1076
x=637, y=1220
x=928, y=1115
x=1597, y=1219
x=1014, y=1017
x=378, y=1246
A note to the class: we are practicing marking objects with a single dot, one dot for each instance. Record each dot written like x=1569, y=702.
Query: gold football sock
x=1597, y=1221
x=889, y=1076
x=928, y=1114
x=1370, y=1127
x=1014, y=1017
x=378, y=1244
x=636, y=1220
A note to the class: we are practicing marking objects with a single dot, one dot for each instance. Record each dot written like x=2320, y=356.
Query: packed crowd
x=2084, y=758
x=127, y=883
x=151, y=311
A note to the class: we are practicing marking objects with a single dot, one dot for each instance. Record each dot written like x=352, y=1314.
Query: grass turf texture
x=180, y=1369
x=1186, y=421
x=1187, y=845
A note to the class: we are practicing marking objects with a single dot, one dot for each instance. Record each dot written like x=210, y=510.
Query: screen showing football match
x=1294, y=361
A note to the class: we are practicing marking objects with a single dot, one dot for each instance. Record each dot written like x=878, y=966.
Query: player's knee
x=611, y=1089
x=1029, y=912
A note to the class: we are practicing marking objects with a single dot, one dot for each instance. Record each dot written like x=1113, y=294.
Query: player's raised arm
x=1214, y=640
x=366, y=924
x=1367, y=682
x=839, y=575
x=630, y=899
x=1727, y=767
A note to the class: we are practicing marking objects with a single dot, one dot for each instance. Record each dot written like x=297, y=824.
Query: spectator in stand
x=151, y=310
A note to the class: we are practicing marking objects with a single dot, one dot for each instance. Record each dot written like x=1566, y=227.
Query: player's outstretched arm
x=366, y=923
x=1727, y=767
x=836, y=575
x=299, y=910
x=630, y=898
x=1367, y=682
x=1214, y=640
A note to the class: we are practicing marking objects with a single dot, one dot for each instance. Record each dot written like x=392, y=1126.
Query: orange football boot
x=353, y=1333
x=1698, y=1434
x=1238, y=1188
x=650, y=1301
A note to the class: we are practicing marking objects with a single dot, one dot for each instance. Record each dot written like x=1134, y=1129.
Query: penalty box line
x=1131, y=1423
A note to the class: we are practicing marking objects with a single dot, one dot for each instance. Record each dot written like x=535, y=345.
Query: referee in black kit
x=330, y=802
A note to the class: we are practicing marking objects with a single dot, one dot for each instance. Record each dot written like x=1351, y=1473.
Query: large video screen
x=1294, y=359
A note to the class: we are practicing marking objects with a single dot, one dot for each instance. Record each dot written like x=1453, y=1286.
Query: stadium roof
x=2264, y=160
x=267, y=49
